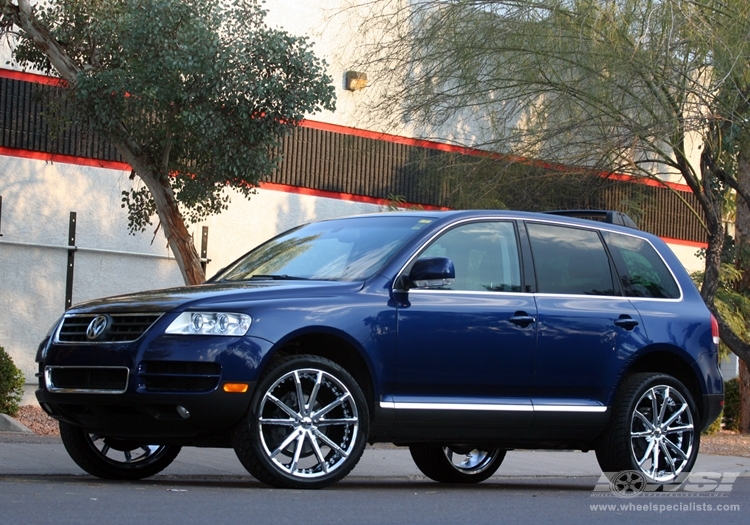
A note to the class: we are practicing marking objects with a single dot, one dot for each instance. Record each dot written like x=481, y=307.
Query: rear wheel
x=307, y=425
x=113, y=458
x=456, y=464
x=653, y=429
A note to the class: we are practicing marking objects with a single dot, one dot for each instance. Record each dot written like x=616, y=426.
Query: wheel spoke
x=283, y=406
x=663, y=409
x=644, y=420
x=338, y=421
x=675, y=415
x=645, y=454
x=654, y=408
x=675, y=449
x=678, y=430
x=334, y=446
x=105, y=450
x=668, y=456
x=314, y=393
x=323, y=411
x=128, y=456
x=291, y=437
x=279, y=422
x=300, y=395
x=318, y=452
x=297, y=451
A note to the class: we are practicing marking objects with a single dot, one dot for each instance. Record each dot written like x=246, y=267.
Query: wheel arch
x=336, y=348
x=668, y=360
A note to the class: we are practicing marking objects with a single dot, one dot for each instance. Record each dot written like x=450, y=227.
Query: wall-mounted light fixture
x=355, y=80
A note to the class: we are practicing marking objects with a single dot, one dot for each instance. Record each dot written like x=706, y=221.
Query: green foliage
x=204, y=88
x=733, y=306
x=11, y=384
x=731, y=414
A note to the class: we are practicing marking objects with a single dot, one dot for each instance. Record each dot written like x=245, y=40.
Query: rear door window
x=642, y=271
x=570, y=260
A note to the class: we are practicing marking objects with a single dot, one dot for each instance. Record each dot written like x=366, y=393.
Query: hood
x=168, y=299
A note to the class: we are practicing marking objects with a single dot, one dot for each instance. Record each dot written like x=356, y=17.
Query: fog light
x=235, y=388
x=184, y=412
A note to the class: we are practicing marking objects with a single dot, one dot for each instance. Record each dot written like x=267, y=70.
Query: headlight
x=210, y=323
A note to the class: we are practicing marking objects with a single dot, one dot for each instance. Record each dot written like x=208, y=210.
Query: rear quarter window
x=642, y=271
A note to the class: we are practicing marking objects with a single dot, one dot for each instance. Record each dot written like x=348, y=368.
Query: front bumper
x=168, y=389
x=201, y=419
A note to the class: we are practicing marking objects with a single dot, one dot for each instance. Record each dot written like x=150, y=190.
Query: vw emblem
x=97, y=327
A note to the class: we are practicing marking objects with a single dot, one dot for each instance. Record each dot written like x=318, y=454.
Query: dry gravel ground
x=721, y=444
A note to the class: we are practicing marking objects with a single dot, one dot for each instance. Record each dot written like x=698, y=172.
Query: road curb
x=8, y=424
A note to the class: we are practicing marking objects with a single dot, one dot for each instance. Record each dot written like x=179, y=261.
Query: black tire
x=654, y=429
x=111, y=458
x=307, y=443
x=441, y=463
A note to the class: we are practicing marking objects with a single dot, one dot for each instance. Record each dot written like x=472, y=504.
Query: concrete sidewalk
x=36, y=456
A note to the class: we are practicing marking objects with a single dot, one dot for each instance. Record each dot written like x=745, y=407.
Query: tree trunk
x=742, y=243
x=167, y=209
x=744, y=414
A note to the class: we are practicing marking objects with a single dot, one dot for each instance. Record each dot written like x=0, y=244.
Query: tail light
x=715, y=329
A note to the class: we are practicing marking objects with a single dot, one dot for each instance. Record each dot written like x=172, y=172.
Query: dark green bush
x=732, y=404
x=11, y=384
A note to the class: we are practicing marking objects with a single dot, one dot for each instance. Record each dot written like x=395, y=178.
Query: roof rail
x=608, y=216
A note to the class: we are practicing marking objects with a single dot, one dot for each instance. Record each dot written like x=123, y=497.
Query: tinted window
x=643, y=273
x=570, y=260
x=485, y=255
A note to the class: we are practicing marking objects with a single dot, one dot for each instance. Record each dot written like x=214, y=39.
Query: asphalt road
x=39, y=484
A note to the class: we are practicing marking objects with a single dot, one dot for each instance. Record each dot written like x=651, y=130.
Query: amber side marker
x=235, y=388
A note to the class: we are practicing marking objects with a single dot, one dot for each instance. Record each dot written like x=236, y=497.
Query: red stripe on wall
x=31, y=77
x=396, y=139
x=339, y=196
x=65, y=159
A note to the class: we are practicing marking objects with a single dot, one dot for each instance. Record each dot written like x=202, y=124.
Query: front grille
x=179, y=376
x=121, y=328
x=94, y=379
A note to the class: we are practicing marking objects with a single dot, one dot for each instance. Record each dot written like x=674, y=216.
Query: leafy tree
x=650, y=88
x=194, y=94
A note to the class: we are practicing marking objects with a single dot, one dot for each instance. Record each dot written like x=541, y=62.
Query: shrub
x=11, y=384
x=732, y=404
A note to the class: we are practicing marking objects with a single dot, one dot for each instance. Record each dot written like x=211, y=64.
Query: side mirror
x=433, y=272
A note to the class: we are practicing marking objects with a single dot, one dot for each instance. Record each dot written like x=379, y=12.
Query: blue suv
x=459, y=334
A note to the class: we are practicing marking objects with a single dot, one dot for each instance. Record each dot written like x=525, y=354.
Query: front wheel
x=456, y=464
x=307, y=424
x=112, y=458
x=653, y=429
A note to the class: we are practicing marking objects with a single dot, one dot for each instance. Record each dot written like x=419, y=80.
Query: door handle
x=626, y=322
x=522, y=319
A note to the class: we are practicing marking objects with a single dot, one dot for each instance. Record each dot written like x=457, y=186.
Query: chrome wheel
x=662, y=433
x=470, y=461
x=652, y=429
x=456, y=463
x=114, y=458
x=307, y=425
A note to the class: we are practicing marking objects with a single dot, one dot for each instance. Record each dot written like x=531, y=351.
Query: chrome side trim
x=569, y=408
x=394, y=405
x=49, y=384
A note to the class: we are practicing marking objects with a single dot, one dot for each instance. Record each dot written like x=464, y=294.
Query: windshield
x=337, y=250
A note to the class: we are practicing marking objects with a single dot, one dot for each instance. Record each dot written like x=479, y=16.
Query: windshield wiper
x=261, y=277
